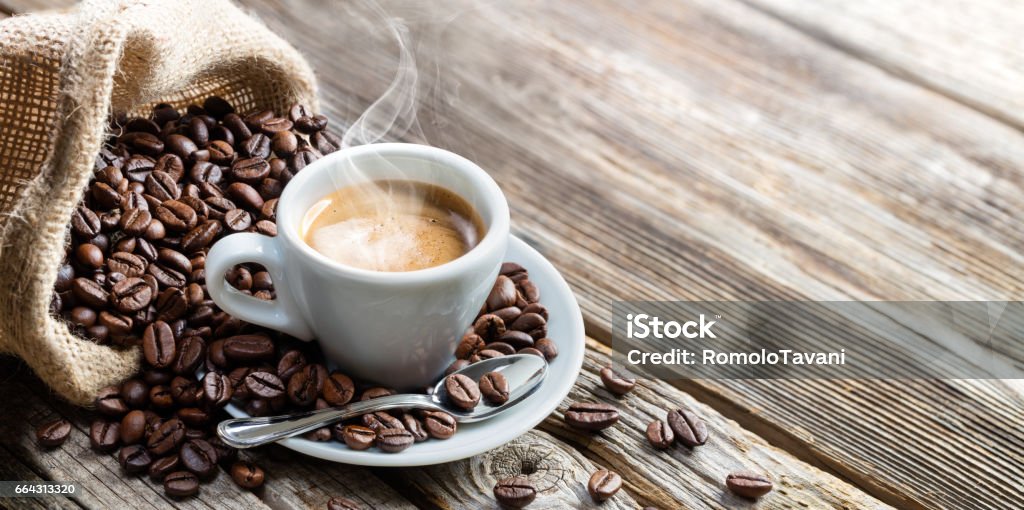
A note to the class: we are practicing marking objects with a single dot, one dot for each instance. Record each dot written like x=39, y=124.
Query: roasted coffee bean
x=355, y=437
x=514, y=492
x=167, y=437
x=528, y=322
x=485, y=354
x=604, y=484
x=165, y=276
x=338, y=389
x=517, y=339
x=266, y=228
x=381, y=420
x=155, y=231
x=186, y=391
x=264, y=385
x=502, y=295
x=249, y=347
x=469, y=345
x=109, y=402
x=512, y=270
x=415, y=427
x=181, y=484
x=247, y=475
x=135, y=393
x=146, y=249
x=89, y=292
x=217, y=389
x=494, y=388
x=394, y=440
x=237, y=220
x=104, y=196
x=616, y=383
x=127, y=264
x=302, y=388
x=176, y=215
x=89, y=255
x=591, y=415
x=269, y=189
x=660, y=435
x=256, y=146
x=275, y=125
x=133, y=427
x=83, y=316
x=158, y=345
x=65, y=275
x=104, y=435
x=146, y=143
x=199, y=457
x=199, y=132
x=689, y=429
x=131, y=295
x=440, y=425
x=546, y=346
x=320, y=435
x=338, y=503
x=136, y=169
x=162, y=186
x=302, y=158
x=508, y=314
x=193, y=417
x=217, y=106
x=456, y=365
x=54, y=433
x=180, y=146
x=261, y=281
x=191, y=351
x=502, y=347
x=284, y=143
x=171, y=304
x=462, y=391
x=171, y=165
x=160, y=397
x=269, y=210
x=200, y=237
x=134, y=458
x=489, y=327
x=135, y=221
x=85, y=223
x=748, y=484
x=161, y=467
x=250, y=170
x=290, y=363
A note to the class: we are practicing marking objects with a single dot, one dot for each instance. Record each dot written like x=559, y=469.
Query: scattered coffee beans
x=689, y=429
x=591, y=415
x=604, y=484
x=615, y=383
x=53, y=433
x=514, y=492
x=748, y=484
x=167, y=187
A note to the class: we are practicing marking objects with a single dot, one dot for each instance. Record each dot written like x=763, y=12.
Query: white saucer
x=565, y=329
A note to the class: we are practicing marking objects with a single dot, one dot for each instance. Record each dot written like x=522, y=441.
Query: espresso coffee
x=392, y=226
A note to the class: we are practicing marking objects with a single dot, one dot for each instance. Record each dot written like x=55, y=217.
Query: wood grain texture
x=965, y=50
x=708, y=151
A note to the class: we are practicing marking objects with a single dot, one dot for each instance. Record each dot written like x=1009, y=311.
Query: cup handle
x=282, y=313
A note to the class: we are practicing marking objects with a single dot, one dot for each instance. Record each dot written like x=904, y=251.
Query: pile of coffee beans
x=166, y=187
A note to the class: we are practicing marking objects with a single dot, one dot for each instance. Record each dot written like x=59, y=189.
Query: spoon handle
x=250, y=432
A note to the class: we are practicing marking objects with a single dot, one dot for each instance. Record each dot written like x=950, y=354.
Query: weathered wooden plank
x=12, y=468
x=706, y=151
x=967, y=51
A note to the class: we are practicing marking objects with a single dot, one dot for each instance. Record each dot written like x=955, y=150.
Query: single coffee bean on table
x=604, y=484
x=615, y=382
x=748, y=484
x=53, y=433
x=181, y=484
x=689, y=429
x=660, y=435
x=591, y=415
x=247, y=475
x=514, y=492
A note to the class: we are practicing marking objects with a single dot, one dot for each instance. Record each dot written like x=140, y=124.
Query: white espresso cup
x=397, y=329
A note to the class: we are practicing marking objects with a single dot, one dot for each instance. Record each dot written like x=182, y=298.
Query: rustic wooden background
x=691, y=149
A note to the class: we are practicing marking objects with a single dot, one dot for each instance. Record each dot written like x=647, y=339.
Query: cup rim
x=494, y=200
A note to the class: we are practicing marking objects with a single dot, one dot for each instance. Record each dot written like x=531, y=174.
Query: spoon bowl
x=524, y=373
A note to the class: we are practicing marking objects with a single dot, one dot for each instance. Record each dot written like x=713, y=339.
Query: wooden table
x=691, y=149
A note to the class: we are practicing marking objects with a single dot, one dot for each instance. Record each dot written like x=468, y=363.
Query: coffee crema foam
x=392, y=226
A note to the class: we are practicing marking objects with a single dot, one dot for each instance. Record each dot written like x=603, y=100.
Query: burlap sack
x=61, y=75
